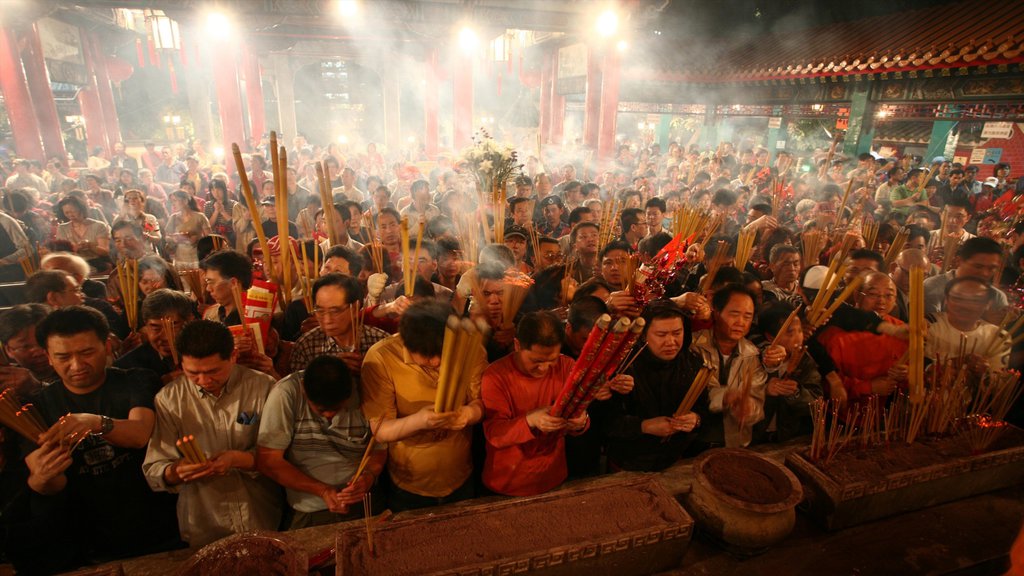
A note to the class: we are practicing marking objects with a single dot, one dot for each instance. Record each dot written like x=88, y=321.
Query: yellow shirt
x=432, y=462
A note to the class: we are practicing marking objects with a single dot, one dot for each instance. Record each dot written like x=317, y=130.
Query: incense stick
x=168, y=326
x=250, y=202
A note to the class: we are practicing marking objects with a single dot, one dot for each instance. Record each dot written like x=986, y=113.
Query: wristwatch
x=106, y=425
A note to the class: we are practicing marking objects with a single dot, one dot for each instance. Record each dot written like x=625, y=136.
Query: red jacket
x=862, y=356
x=521, y=461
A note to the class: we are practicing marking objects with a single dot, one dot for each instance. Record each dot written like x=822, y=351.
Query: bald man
x=868, y=363
x=899, y=271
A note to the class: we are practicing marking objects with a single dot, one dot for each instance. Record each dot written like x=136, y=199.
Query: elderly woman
x=134, y=210
x=89, y=238
x=184, y=228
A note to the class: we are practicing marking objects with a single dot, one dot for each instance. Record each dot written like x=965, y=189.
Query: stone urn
x=742, y=500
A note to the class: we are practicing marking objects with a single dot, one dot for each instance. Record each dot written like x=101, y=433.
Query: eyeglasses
x=332, y=312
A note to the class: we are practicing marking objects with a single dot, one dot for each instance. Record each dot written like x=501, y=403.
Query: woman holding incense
x=525, y=443
x=220, y=211
x=184, y=229
x=650, y=427
x=793, y=383
x=89, y=238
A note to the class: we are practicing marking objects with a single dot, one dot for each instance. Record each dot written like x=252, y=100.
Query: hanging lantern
x=164, y=31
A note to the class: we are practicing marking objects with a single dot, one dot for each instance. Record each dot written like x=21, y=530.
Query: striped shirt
x=315, y=343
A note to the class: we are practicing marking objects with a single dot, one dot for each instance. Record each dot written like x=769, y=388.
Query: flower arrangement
x=489, y=161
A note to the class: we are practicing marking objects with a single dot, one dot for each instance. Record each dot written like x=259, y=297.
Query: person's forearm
x=286, y=474
x=129, y=434
x=395, y=429
x=47, y=487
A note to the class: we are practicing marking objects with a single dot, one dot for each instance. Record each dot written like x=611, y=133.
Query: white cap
x=815, y=277
x=991, y=181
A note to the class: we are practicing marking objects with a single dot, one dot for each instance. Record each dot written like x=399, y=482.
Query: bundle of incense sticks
x=785, y=325
x=820, y=311
x=23, y=419
x=356, y=311
x=469, y=229
x=842, y=204
x=813, y=242
x=744, y=248
x=898, y=242
x=719, y=259
x=236, y=295
x=607, y=347
x=367, y=453
x=916, y=354
x=29, y=262
x=778, y=194
x=712, y=227
x=697, y=387
x=609, y=218
x=629, y=274
x=869, y=230
x=514, y=290
x=461, y=337
x=279, y=162
x=830, y=434
x=250, y=203
x=376, y=248
x=190, y=450
x=193, y=278
x=128, y=281
x=689, y=220
x=327, y=200
x=534, y=242
x=828, y=158
x=408, y=270
x=306, y=278
x=993, y=399
x=168, y=327
x=950, y=246
x=950, y=397
x=499, y=201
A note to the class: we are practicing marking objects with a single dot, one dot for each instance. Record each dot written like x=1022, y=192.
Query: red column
x=254, y=96
x=105, y=92
x=42, y=96
x=462, y=100
x=545, y=99
x=609, y=104
x=557, y=105
x=430, y=106
x=16, y=99
x=592, y=100
x=229, y=98
x=89, y=100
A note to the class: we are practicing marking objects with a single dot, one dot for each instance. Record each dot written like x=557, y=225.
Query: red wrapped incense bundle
x=587, y=356
x=589, y=378
x=652, y=278
x=615, y=360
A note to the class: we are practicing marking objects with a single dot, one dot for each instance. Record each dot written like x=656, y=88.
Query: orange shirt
x=862, y=356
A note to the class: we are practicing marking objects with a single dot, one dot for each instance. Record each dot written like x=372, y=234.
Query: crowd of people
x=193, y=420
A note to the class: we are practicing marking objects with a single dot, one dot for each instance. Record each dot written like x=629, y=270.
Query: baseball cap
x=516, y=231
x=268, y=201
x=938, y=160
x=991, y=181
x=815, y=277
x=549, y=200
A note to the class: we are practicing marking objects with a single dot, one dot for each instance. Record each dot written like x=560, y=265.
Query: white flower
x=486, y=166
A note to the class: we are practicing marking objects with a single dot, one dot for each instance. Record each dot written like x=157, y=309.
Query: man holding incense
x=340, y=332
x=793, y=384
x=737, y=387
x=960, y=333
x=429, y=457
x=164, y=313
x=27, y=368
x=525, y=443
x=87, y=489
x=490, y=278
x=217, y=404
x=643, y=429
x=313, y=439
x=869, y=363
x=226, y=271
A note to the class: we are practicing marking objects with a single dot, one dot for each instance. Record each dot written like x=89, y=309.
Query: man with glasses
x=868, y=363
x=226, y=270
x=784, y=262
x=961, y=329
x=335, y=297
x=634, y=227
x=55, y=288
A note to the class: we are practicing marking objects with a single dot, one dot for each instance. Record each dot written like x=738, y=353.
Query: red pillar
x=105, y=92
x=545, y=99
x=462, y=100
x=229, y=98
x=431, y=105
x=609, y=104
x=254, y=96
x=42, y=96
x=557, y=106
x=89, y=100
x=17, y=100
x=592, y=100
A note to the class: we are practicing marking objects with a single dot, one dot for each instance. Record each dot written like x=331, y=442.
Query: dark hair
x=978, y=245
x=576, y=230
x=865, y=254
x=723, y=197
x=82, y=207
x=773, y=316
x=341, y=209
x=722, y=296
x=327, y=381
x=439, y=225
x=490, y=271
x=39, y=285
x=353, y=289
x=762, y=207
x=656, y=203
x=780, y=250
x=131, y=225
x=18, y=200
x=205, y=338
x=917, y=232
x=21, y=317
x=961, y=202
x=158, y=264
x=422, y=327
x=419, y=185
x=584, y=312
x=659, y=309
x=540, y=328
x=230, y=264
x=355, y=261
x=389, y=212
x=653, y=244
x=72, y=321
x=629, y=217
x=589, y=287
x=497, y=253
x=577, y=214
x=164, y=301
x=990, y=292
x=612, y=246
x=189, y=200
x=447, y=245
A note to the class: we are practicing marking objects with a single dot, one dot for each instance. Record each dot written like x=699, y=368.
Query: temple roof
x=955, y=35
